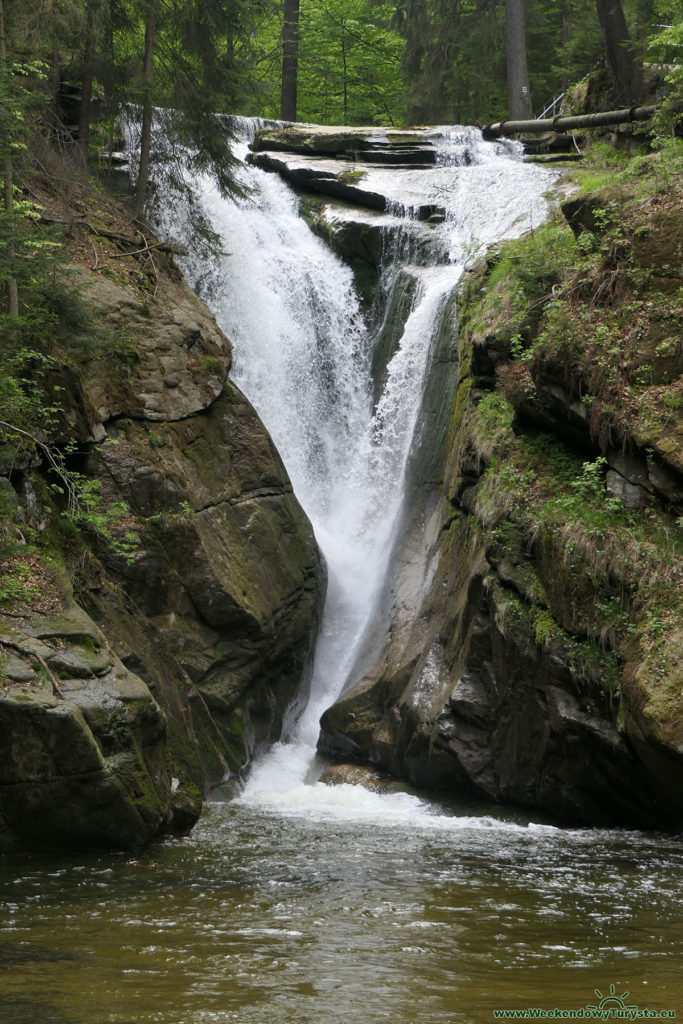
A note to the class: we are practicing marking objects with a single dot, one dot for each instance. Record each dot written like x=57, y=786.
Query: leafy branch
x=82, y=495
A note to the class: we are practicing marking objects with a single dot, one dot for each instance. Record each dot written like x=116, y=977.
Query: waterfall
x=302, y=355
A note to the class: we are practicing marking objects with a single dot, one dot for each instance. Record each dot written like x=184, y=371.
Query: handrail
x=551, y=106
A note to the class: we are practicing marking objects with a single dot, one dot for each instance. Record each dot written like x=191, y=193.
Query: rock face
x=228, y=581
x=520, y=662
x=156, y=669
x=336, y=162
x=83, y=740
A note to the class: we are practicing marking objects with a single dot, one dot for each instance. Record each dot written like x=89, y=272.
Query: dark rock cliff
x=533, y=646
x=138, y=676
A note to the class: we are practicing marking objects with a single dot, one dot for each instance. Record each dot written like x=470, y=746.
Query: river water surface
x=261, y=917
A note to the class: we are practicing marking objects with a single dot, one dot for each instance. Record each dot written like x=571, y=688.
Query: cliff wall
x=148, y=655
x=534, y=651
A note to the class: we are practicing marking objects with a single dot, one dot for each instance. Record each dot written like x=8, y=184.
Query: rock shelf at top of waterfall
x=435, y=178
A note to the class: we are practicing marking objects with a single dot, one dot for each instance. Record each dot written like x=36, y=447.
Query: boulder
x=83, y=740
x=189, y=601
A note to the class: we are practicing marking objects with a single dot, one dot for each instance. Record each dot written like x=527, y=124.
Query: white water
x=302, y=354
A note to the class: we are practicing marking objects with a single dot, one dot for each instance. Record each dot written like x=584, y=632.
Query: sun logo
x=611, y=1001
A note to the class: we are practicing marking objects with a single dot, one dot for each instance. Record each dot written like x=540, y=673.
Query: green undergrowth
x=644, y=173
x=595, y=668
x=611, y=577
x=593, y=314
x=601, y=312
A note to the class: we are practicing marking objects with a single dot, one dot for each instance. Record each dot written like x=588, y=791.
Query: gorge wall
x=139, y=675
x=533, y=651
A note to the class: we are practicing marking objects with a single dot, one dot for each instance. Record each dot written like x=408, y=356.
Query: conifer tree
x=290, y=60
x=620, y=51
x=147, y=107
x=8, y=173
x=519, y=94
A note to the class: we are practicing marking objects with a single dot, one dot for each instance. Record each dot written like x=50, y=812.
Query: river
x=264, y=918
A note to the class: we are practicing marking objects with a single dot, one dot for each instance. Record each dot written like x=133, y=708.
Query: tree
x=620, y=51
x=8, y=176
x=664, y=49
x=350, y=63
x=147, y=107
x=290, y=60
x=445, y=78
x=90, y=42
x=519, y=94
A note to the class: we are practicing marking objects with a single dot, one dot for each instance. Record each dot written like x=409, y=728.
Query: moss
x=214, y=366
x=544, y=626
x=596, y=315
x=605, y=568
x=490, y=424
x=351, y=177
x=595, y=671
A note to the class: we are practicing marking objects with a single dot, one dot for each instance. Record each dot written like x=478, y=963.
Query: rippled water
x=260, y=917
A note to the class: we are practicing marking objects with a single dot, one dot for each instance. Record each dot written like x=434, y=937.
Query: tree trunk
x=619, y=49
x=147, y=109
x=345, y=74
x=8, y=186
x=290, y=60
x=519, y=94
x=86, y=83
x=568, y=124
x=564, y=12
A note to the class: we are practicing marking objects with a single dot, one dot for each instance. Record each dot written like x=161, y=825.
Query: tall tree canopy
x=355, y=61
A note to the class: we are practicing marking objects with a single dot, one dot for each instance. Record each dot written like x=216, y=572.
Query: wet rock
x=355, y=775
x=325, y=176
x=186, y=655
x=84, y=759
x=186, y=806
x=384, y=146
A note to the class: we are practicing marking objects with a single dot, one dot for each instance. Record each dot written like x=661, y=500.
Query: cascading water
x=302, y=356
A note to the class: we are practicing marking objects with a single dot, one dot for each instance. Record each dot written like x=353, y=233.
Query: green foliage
x=537, y=260
x=18, y=585
x=360, y=61
x=597, y=316
x=664, y=49
x=624, y=557
x=446, y=80
x=110, y=522
x=20, y=97
x=490, y=424
x=350, y=62
x=54, y=325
